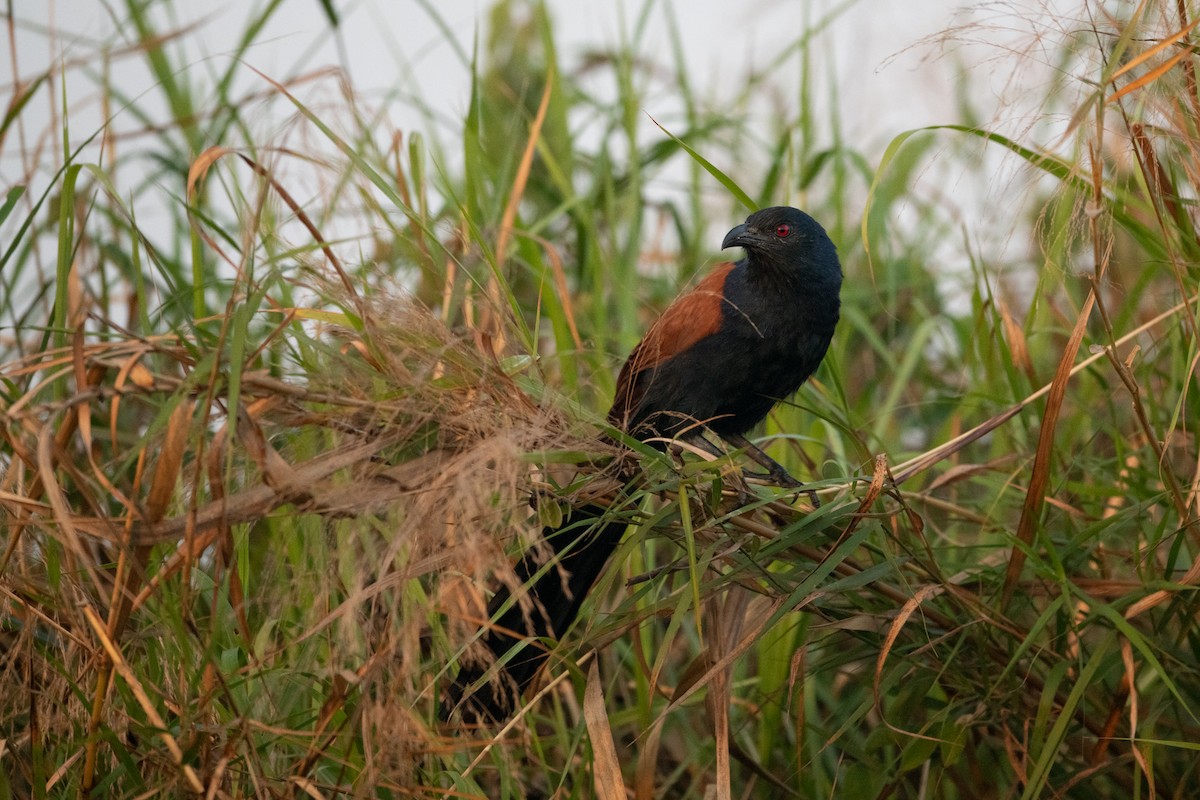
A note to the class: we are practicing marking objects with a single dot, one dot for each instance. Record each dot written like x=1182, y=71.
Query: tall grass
x=264, y=454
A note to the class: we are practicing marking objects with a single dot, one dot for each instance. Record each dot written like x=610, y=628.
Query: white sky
x=887, y=79
x=879, y=54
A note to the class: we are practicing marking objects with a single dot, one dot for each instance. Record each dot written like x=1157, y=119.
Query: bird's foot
x=780, y=477
x=776, y=475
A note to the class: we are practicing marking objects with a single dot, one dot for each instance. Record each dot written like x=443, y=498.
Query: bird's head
x=785, y=237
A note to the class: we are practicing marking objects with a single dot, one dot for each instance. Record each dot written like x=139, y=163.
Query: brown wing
x=693, y=316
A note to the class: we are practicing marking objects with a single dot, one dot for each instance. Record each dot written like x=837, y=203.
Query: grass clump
x=276, y=413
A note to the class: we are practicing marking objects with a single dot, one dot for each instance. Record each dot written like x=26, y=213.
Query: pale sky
x=877, y=52
x=890, y=69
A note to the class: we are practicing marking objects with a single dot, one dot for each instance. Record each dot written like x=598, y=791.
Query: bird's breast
x=783, y=333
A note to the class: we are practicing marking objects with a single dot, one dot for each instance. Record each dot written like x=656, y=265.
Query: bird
x=716, y=361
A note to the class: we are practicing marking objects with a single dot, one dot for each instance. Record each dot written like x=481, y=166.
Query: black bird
x=718, y=359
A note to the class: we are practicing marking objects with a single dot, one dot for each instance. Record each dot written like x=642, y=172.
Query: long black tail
x=581, y=547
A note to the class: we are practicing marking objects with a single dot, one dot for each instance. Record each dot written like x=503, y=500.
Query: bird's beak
x=741, y=235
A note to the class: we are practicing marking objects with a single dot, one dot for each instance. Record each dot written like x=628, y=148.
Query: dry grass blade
x=561, y=285
x=78, y=557
x=1039, y=477
x=916, y=466
x=1129, y=688
x=685, y=690
x=894, y=630
x=143, y=699
x=1146, y=55
x=209, y=157
x=1190, y=578
x=606, y=765
x=1166, y=197
x=249, y=504
x=1015, y=336
x=522, y=177
x=491, y=327
x=168, y=463
x=728, y=614
x=647, y=763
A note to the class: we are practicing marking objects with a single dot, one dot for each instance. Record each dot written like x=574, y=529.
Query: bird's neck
x=805, y=277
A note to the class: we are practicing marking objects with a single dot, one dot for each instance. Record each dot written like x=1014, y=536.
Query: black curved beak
x=739, y=236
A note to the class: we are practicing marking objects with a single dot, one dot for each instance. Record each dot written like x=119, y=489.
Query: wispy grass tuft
x=276, y=413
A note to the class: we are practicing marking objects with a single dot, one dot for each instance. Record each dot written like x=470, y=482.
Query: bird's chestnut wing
x=692, y=317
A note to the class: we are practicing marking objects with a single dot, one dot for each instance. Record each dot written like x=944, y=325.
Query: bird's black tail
x=580, y=548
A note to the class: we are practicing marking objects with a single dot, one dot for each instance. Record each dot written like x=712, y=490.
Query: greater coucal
x=718, y=359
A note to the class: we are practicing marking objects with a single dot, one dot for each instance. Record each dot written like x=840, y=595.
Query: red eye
x=783, y=230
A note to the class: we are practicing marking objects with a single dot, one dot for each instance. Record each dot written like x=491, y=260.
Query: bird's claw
x=780, y=477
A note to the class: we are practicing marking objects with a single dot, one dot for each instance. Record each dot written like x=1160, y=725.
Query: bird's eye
x=783, y=230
